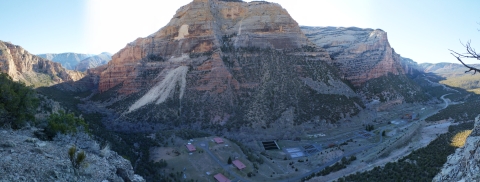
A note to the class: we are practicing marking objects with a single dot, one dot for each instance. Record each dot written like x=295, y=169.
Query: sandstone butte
x=33, y=70
x=198, y=28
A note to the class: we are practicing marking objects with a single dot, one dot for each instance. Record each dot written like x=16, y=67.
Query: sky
x=423, y=30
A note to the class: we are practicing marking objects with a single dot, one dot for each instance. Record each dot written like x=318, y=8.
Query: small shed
x=191, y=148
x=218, y=140
x=238, y=164
x=221, y=178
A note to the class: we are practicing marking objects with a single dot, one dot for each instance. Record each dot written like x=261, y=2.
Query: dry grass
x=476, y=91
x=158, y=153
x=459, y=139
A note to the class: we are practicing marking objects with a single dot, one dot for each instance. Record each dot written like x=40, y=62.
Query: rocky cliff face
x=227, y=63
x=94, y=61
x=68, y=60
x=360, y=54
x=200, y=27
x=33, y=70
x=411, y=67
x=366, y=59
x=463, y=165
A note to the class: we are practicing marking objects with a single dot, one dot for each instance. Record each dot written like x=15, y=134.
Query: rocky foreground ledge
x=23, y=157
x=464, y=164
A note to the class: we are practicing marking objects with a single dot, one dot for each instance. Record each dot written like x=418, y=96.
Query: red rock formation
x=33, y=70
x=222, y=63
x=199, y=27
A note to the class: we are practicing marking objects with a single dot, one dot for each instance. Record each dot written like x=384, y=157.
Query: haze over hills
x=93, y=61
x=248, y=72
x=77, y=61
x=68, y=60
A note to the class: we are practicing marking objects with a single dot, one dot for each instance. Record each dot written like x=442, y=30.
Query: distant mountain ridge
x=93, y=61
x=68, y=60
x=454, y=75
x=78, y=61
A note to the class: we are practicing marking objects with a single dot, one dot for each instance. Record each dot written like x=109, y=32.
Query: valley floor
x=401, y=139
x=421, y=139
x=325, y=148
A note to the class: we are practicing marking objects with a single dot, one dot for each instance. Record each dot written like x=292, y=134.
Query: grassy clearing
x=460, y=138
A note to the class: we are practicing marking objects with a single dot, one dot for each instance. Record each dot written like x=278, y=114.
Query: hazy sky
x=423, y=30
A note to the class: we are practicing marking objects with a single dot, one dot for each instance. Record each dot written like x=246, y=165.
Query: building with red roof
x=239, y=164
x=191, y=148
x=221, y=178
x=218, y=140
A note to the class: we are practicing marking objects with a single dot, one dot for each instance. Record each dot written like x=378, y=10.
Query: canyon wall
x=360, y=54
x=33, y=70
x=227, y=63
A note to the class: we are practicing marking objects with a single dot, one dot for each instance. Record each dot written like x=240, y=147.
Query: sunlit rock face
x=365, y=58
x=33, y=70
x=198, y=28
x=227, y=63
x=360, y=54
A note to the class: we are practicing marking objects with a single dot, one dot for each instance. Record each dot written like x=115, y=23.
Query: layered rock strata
x=201, y=27
x=366, y=59
x=33, y=70
x=360, y=54
x=227, y=63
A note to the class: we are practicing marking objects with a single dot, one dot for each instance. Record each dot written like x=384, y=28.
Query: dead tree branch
x=470, y=54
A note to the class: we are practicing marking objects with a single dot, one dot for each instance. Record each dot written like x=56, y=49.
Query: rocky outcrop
x=26, y=158
x=33, y=70
x=68, y=60
x=94, y=61
x=463, y=165
x=360, y=54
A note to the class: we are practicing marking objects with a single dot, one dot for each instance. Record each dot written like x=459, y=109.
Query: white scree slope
x=160, y=92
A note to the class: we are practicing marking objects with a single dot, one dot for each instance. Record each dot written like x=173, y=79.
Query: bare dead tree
x=470, y=54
